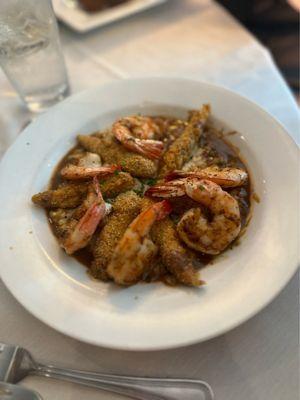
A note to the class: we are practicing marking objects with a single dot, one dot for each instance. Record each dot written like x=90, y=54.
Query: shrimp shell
x=77, y=172
x=225, y=177
x=142, y=144
x=86, y=226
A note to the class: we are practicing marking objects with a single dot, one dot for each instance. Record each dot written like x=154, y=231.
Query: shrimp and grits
x=151, y=198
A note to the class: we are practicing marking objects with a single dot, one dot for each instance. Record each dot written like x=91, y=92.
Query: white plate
x=82, y=21
x=56, y=288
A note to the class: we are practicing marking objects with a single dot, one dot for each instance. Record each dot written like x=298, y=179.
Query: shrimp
x=113, y=152
x=141, y=127
x=135, y=134
x=86, y=226
x=174, y=188
x=75, y=172
x=209, y=235
x=135, y=251
x=225, y=177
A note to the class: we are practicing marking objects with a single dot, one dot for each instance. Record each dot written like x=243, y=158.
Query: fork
x=16, y=363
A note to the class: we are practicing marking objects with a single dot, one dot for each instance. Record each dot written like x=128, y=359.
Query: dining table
x=200, y=40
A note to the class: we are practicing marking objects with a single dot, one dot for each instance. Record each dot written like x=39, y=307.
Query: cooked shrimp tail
x=150, y=148
x=147, y=147
x=225, y=177
x=168, y=189
x=142, y=127
x=163, y=209
x=175, y=175
x=144, y=221
x=75, y=172
x=86, y=226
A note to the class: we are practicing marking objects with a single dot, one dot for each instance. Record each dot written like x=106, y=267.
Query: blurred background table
x=195, y=39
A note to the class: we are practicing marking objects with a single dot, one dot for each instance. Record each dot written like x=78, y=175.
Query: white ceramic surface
x=83, y=21
x=57, y=290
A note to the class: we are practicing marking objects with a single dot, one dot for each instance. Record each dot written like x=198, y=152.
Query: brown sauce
x=56, y=179
x=219, y=146
x=84, y=256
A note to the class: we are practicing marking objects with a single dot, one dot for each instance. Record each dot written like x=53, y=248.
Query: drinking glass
x=30, y=52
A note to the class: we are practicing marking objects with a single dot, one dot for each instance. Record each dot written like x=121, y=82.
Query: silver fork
x=16, y=363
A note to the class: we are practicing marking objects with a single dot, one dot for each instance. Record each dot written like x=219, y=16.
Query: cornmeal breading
x=180, y=151
x=181, y=262
x=67, y=196
x=113, y=152
x=72, y=195
x=125, y=208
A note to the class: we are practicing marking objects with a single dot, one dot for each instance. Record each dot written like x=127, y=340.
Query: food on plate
x=182, y=263
x=98, y=5
x=136, y=133
x=126, y=207
x=69, y=195
x=65, y=196
x=209, y=232
x=180, y=151
x=112, y=152
x=135, y=252
x=151, y=198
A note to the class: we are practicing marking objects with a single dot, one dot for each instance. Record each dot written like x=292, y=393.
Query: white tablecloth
x=194, y=39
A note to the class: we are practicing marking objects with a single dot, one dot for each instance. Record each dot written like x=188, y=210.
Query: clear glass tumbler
x=30, y=52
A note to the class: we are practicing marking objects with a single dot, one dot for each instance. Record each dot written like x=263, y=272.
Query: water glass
x=30, y=52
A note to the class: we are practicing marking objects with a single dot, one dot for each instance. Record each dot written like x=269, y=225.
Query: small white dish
x=80, y=20
x=57, y=290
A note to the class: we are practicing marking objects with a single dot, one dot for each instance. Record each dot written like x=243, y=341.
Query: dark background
x=276, y=24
